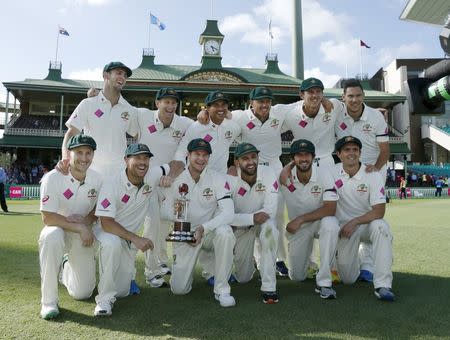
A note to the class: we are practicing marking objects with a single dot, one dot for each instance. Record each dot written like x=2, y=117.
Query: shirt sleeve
x=133, y=127
x=329, y=190
x=240, y=219
x=272, y=193
x=225, y=205
x=49, y=193
x=78, y=118
x=107, y=202
x=381, y=128
x=377, y=195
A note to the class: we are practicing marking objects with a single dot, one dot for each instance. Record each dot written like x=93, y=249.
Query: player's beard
x=303, y=167
x=248, y=172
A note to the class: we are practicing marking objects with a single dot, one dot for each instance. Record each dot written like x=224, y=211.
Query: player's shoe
x=335, y=278
x=156, y=281
x=365, y=276
x=134, y=288
x=270, y=298
x=281, y=268
x=164, y=269
x=326, y=292
x=103, y=309
x=225, y=300
x=211, y=280
x=384, y=294
x=49, y=311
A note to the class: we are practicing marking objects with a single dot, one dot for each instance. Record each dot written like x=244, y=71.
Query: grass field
x=421, y=231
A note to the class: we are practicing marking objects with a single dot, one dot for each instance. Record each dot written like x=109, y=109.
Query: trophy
x=181, y=227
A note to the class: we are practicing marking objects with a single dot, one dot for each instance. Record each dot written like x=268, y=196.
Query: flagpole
x=149, y=29
x=57, y=43
x=211, y=9
x=346, y=69
x=360, y=60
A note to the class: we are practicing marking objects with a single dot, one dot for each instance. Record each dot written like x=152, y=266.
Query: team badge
x=250, y=125
x=274, y=123
x=125, y=198
x=260, y=187
x=152, y=128
x=303, y=123
x=362, y=188
x=326, y=118
x=228, y=135
x=291, y=187
x=343, y=126
x=367, y=128
x=208, y=193
x=105, y=203
x=177, y=134
x=316, y=190
x=208, y=138
x=242, y=191
x=92, y=193
x=125, y=116
x=45, y=198
x=146, y=189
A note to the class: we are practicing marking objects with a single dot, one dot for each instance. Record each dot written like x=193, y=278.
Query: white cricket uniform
x=210, y=205
x=163, y=143
x=357, y=196
x=66, y=196
x=267, y=139
x=219, y=136
x=318, y=130
x=300, y=200
x=128, y=205
x=248, y=200
x=108, y=125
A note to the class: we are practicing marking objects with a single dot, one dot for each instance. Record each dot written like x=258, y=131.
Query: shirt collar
x=172, y=124
x=313, y=177
x=104, y=99
x=357, y=176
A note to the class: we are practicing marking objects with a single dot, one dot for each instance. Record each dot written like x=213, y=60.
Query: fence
x=23, y=192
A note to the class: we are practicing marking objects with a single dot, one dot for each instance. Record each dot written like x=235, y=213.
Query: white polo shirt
x=262, y=196
x=108, y=126
x=125, y=202
x=66, y=196
x=163, y=142
x=357, y=194
x=219, y=136
x=210, y=201
x=266, y=137
x=318, y=130
x=305, y=198
x=370, y=129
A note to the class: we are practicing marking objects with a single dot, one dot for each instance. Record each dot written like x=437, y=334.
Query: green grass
x=421, y=231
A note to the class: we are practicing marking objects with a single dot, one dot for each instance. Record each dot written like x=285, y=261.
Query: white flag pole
x=57, y=44
x=360, y=60
x=149, y=29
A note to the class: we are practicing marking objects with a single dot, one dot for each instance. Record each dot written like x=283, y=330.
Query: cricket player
x=370, y=127
x=67, y=209
x=311, y=203
x=163, y=130
x=210, y=213
x=360, y=211
x=255, y=195
x=123, y=203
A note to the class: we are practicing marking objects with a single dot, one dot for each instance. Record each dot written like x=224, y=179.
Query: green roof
x=31, y=141
x=399, y=148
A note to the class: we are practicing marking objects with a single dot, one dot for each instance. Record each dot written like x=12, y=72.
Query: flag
x=363, y=44
x=270, y=29
x=63, y=31
x=155, y=21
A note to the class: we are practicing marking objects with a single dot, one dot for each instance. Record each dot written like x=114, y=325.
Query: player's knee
x=268, y=236
x=329, y=224
x=225, y=233
x=82, y=293
x=380, y=228
x=179, y=289
x=52, y=236
x=297, y=275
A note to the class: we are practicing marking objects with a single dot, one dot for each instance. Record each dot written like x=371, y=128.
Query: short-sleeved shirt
x=203, y=196
x=318, y=130
x=305, y=198
x=219, y=136
x=357, y=194
x=261, y=196
x=265, y=136
x=66, y=196
x=108, y=125
x=163, y=142
x=125, y=202
x=370, y=129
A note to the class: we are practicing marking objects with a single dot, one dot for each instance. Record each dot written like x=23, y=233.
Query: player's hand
x=228, y=114
x=86, y=235
x=203, y=117
x=260, y=217
x=371, y=168
x=348, y=229
x=327, y=105
x=232, y=171
x=286, y=174
x=165, y=181
x=294, y=225
x=63, y=166
x=384, y=112
x=198, y=235
x=76, y=218
x=92, y=92
x=142, y=243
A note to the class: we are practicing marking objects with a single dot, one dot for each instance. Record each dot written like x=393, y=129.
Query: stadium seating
x=37, y=122
x=430, y=169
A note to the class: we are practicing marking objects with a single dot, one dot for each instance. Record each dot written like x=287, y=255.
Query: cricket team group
x=102, y=193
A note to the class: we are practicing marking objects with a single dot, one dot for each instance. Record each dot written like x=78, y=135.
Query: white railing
x=396, y=140
x=416, y=192
x=34, y=132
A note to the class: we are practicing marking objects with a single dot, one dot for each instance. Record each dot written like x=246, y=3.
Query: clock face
x=212, y=47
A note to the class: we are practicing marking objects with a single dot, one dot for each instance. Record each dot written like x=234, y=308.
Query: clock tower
x=211, y=39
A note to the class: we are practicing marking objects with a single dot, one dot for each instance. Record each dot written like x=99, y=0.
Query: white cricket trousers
x=377, y=233
x=244, y=263
x=79, y=271
x=116, y=260
x=219, y=244
x=300, y=245
x=155, y=229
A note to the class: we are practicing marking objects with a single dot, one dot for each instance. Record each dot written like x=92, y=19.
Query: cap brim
x=217, y=100
x=126, y=68
x=201, y=148
x=169, y=96
x=246, y=153
x=140, y=153
x=82, y=144
x=262, y=97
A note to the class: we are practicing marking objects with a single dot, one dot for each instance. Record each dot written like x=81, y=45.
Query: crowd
x=21, y=173
x=414, y=179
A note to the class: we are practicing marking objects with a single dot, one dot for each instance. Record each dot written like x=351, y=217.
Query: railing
x=23, y=192
x=396, y=140
x=148, y=52
x=416, y=192
x=34, y=132
x=271, y=57
x=55, y=65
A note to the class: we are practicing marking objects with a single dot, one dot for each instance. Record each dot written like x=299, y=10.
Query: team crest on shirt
x=125, y=116
x=362, y=188
x=367, y=127
x=326, y=118
x=208, y=193
x=177, y=134
x=260, y=187
x=146, y=189
x=228, y=135
x=316, y=190
x=45, y=198
x=274, y=123
x=92, y=193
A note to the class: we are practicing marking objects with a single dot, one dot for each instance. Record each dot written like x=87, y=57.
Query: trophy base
x=181, y=233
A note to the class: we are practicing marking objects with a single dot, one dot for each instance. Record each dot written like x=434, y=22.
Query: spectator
x=414, y=179
x=402, y=188
x=34, y=175
x=424, y=180
x=439, y=183
x=3, y=179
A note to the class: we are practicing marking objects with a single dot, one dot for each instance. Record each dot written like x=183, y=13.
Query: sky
x=105, y=30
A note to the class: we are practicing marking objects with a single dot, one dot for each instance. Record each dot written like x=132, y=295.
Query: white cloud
x=413, y=50
x=329, y=80
x=88, y=74
x=69, y=4
x=345, y=53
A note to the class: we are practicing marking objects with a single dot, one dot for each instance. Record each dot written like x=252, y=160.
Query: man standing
x=107, y=118
x=210, y=213
x=360, y=211
x=255, y=196
x=311, y=203
x=123, y=203
x=2, y=190
x=67, y=204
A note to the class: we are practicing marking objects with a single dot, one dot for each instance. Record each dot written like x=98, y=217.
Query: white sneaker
x=225, y=300
x=164, y=269
x=103, y=309
x=49, y=311
x=156, y=281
